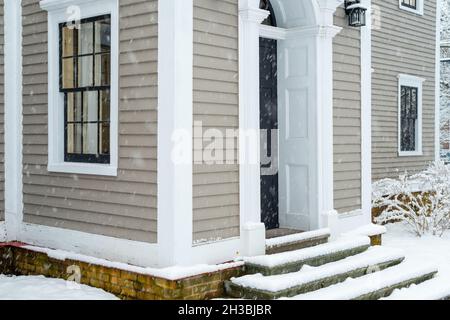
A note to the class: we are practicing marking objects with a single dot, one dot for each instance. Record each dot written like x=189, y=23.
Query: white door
x=297, y=160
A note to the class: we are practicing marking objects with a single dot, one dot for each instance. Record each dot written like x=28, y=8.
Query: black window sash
x=81, y=157
x=410, y=4
x=409, y=117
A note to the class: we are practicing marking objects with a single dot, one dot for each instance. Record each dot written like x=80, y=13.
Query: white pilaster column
x=366, y=114
x=175, y=121
x=252, y=230
x=324, y=96
x=13, y=118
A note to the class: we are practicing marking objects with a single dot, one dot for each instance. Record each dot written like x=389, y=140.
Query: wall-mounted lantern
x=356, y=13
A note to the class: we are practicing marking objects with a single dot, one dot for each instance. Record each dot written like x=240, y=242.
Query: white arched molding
x=323, y=30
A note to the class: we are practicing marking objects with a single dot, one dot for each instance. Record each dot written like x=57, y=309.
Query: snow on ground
x=434, y=250
x=427, y=249
x=40, y=288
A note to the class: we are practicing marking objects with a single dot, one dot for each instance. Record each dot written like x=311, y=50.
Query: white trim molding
x=120, y=250
x=2, y=231
x=13, y=118
x=415, y=82
x=250, y=18
x=418, y=10
x=175, y=131
x=59, y=12
x=437, y=115
x=366, y=114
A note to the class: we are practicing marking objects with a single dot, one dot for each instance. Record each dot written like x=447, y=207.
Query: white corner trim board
x=437, y=62
x=13, y=118
x=366, y=115
x=175, y=128
x=2, y=231
x=120, y=250
x=58, y=12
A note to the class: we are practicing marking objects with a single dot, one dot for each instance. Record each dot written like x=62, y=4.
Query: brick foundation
x=16, y=260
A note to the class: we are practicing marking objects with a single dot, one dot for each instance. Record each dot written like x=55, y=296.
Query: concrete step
x=375, y=285
x=309, y=279
x=297, y=241
x=286, y=262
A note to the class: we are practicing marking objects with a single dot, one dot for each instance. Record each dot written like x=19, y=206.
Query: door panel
x=296, y=154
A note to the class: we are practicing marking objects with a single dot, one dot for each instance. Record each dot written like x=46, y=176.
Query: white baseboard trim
x=217, y=252
x=352, y=220
x=2, y=231
x=132, y=252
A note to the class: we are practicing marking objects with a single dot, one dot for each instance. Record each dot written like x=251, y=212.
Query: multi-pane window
x=408, y=118
x=410, y=4
x=85, y=79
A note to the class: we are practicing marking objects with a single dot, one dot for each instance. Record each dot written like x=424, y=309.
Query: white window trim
x=418, y=11
x=417, y=82
x=57, y=13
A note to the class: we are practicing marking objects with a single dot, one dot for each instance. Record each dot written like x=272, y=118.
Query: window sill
x=83, y=168
x=410, y=154
x=411, y=10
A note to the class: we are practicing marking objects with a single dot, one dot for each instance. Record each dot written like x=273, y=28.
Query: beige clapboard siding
x=216, y=105
x=2, y=115
x=404, y=43
x=347, y=116
x=123, y=207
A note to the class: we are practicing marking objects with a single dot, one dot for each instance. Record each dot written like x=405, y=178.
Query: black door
x=268, y=122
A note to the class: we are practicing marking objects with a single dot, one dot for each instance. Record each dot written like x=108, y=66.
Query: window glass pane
x=85, y=76
x=68, y=73
x=68, y=42
x=86, y=38
x=102, y=70
x=74, y=107
x=90, y=138
x=90, y=104
x=104, y=138
x=74, y=138
x=103, y=35
x=409, y=116
x=410, y=3
x=104, y=106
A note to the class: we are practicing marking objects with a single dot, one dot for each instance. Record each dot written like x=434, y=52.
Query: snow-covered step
x=375, y=285
x=293, y=261
x=309, y=279
x=297, y=241
x=435, y=289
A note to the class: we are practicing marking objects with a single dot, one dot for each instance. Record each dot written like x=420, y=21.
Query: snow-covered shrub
x=427, y=210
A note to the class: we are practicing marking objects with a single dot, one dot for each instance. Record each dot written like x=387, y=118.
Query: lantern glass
x=357, y=17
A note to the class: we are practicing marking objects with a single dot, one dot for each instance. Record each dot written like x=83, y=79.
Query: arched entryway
x=304, y=36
